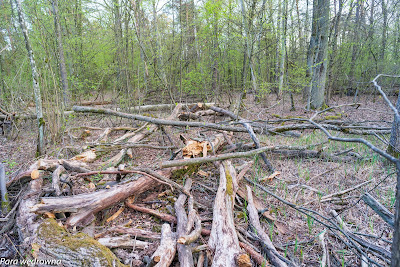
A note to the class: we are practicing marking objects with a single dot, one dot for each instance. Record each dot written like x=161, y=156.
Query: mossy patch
x=79, y=248
x=180, y=173
x=229, y=182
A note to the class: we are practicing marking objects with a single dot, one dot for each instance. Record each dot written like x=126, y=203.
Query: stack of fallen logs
x=42, y=222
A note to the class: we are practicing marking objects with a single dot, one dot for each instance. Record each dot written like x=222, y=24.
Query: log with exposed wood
x=223, y=240
x=84, y=206
x=46, y=239
x=165, y=253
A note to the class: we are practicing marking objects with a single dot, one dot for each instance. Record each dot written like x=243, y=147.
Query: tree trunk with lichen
x=35, y=79
x=223, y=239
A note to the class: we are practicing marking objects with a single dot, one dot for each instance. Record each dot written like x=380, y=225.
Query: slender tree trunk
x=355, y=47
x=311, y=53
x=35, y=80
x=283, y=48
x=63, y=68
x=384, y=28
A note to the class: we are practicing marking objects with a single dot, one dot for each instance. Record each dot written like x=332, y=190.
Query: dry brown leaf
x=87, y=156
x=115, y=215
x=272, y=176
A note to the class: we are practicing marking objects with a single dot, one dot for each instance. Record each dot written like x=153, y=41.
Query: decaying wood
x=325, y=259
x=123, y=241
x=223, y=239
x=84, y=206
x=55, y=179
x=257, y=257
x=270, y=249
x=191, y=237
x=165, y=253
x=184, y=251
x=45, y=239
x=383, y=212
x=249, y=130
x=140, y=233
x=117, y=159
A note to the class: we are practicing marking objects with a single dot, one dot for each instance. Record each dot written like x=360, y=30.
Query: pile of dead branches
x=50, y=212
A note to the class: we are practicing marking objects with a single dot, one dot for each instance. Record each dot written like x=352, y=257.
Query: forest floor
x=302, y=181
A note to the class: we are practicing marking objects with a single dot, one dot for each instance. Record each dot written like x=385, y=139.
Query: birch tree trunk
x=35, y=80
x=63, y=68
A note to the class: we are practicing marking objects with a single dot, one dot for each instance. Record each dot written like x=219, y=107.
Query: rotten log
x=383, y=212
x=45, y=239
x=5, y=202
x=223, y=240
x=249, y=130
x=84, y=206
x=165, y=253
x=270, y=249
x=140, y=233
x=184, y=251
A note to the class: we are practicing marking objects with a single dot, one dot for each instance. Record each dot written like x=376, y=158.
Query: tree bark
x=318, y=78
x=35, y=80
x=223, y=239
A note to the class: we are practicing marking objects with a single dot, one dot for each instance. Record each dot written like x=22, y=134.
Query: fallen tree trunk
x=45, y=239
x=159, y=121
x=383, y=212
x=184, y=251
x=223, y=240
x=270, y=250
x=84, y=206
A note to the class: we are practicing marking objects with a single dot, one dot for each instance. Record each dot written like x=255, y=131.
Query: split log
x=184, y=251
x=55, y=179
x=165, y=253
x=84, y=206
x=223, y=239
x=270, y=250
x=123, y=241
x=249, y=130
x=383, y=212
